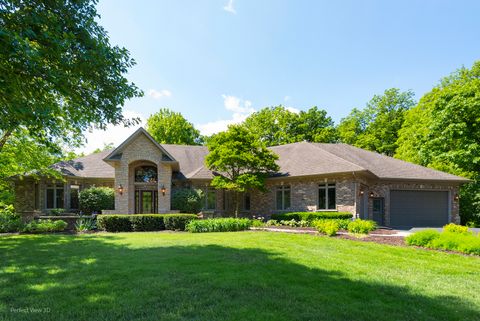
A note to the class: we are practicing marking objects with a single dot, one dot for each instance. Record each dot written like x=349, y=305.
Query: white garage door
x=418, y=208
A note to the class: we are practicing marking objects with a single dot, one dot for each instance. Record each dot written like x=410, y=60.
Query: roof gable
x=116, y=154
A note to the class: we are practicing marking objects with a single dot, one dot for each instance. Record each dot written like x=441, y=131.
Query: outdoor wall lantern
x=371, y=194
x=120, y=189
x=456, y=197
x=163, y=190
x=362, y=192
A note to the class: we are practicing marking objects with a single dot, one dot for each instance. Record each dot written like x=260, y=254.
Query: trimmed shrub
x=42, y=226
x=219, y=225
x=147, y=222
x=328, y=227
x=454, y=228
x=96, y=199
x=359, y=226
x=187, y=200
x=422, y=238
x=9, y=220
x=272, y=223
x=177, y=222
x=115, y=223
x=143, y=222
x=310, y=216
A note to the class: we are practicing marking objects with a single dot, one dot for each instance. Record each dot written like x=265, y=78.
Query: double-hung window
x=55, y=196
x=283, y=197
x=210, y=199
x=327, y=197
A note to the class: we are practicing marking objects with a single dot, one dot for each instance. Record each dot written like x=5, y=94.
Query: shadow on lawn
x=90, y=278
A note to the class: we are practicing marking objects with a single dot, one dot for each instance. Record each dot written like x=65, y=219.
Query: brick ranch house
x=312, y=177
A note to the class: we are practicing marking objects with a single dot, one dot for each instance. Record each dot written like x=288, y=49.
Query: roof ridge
x=345, y=160
x=397, y=159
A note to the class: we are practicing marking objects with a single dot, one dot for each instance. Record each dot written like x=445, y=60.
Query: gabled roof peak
x=140, y=131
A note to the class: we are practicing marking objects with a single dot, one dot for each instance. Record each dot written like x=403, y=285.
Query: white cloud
x=97, y=138
x=155, y=94
x=229, y=7
x=241, y=110
x=293, y=110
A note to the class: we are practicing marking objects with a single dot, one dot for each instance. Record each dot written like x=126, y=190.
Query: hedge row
x=219, y=225
x=310, y=216
x=144, y=222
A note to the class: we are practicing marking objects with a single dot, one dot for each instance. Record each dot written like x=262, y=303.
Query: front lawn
x=230, y=276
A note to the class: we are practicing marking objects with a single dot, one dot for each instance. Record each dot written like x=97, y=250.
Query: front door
x=378, y=210
x=146, y=202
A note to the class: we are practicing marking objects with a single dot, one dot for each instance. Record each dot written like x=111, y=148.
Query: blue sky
x=216, y=61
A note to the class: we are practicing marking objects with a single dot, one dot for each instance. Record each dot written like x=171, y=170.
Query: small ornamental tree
x=97, y=199
x=187, y=200
x=240, y=161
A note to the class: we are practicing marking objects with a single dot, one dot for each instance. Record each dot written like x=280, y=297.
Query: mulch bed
x=389, y=240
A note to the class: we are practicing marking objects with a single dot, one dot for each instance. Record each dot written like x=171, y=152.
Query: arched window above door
x=146, y=174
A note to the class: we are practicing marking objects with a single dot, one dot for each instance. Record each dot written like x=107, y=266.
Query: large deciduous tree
x=240, y=160
x=376, y=127
x=279, y=125
x=59, y=75
x=443, y=132
x=169, y=127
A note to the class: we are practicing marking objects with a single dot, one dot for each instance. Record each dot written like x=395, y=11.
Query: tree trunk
x=237, y=203
x=4, y=138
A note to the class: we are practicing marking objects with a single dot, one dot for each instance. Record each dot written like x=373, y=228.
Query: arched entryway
x=145, y=176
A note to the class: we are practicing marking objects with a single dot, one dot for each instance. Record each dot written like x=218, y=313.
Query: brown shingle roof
x=298, y=159
x=386, y=167
x=89, y=166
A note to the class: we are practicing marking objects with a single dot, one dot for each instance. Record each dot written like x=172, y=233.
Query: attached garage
x=418, y=208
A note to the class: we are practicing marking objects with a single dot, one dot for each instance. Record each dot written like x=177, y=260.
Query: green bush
x=310, y=216
x=359, y=226
x=42, y=226
x=257, y=223
x=452, y=241
x=328, y=227
x=342, y=223
x=147, y=222
x=143, y=222
x=187, y=200
x=219, y=225
x=178, y=222
x=57, y=211
x=115, y=223
x=96, y=199
x=85, y=224
x=454, y=228
x=272, y=223
x=9, y=220
x=422, y=238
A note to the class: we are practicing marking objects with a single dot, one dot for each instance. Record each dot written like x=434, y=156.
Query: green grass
x=230, y=276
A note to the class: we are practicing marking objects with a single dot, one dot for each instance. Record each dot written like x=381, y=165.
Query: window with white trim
x=283, y=197
x=55, y=196
x=327, y=197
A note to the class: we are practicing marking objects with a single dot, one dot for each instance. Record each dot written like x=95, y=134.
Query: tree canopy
x=443, y=132
x=278, y=125
x=376, y=127
x=59, y=75
x=241, y=161
x=169, y=127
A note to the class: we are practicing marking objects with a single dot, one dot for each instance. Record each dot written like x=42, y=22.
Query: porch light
x=120, y=189
x=163, y=190
x=362, y=192
x=456, y=197
x=371, y=194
